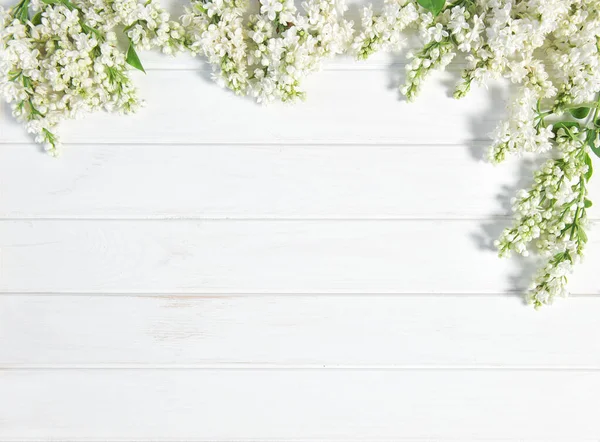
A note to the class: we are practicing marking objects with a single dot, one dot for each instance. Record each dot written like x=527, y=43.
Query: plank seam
x=263, y=220
x=159, y=218
x=274, y=367
x=278, y=144
x=191, y=294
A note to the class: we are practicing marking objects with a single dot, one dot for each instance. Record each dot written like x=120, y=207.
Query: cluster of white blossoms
x=498, y=38
x=523, y=131
x=268, y=55
x=550, y=49
x=60, y=58
x=384, y=31
x=285, y=46
x=215, y=29
x=551, y=214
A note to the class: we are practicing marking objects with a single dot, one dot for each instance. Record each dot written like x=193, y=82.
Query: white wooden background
x=210, y=269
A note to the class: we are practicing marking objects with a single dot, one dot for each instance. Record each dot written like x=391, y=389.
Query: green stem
x=21, y=11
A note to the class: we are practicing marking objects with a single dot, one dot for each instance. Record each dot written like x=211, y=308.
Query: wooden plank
x=355, y=107
x=265, y=257
x=299, y=405
x=239, y=181
x=296, y=331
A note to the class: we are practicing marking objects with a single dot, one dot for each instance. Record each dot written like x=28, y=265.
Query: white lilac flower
x=456, y=29
x=573, y=54
x=551, y=214
x=269, y=56
x=519, y=133
x=270, y=8
x=498, y=37
x=550, y=49
x=384, y=31
x=215, y=29
x=60, y=58
x=285, y=46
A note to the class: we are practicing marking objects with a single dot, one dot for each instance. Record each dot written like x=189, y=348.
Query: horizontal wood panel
x=299, y=405
x=249, y=181
x=356, y=107
x=298, y=331
x=298, y=328
x=265, y=257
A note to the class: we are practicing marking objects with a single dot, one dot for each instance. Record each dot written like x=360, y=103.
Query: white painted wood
x=256, y=181
x=265, y=257
x=355, y=107
x=296, y=331
x=299, y=404
x=324, y=270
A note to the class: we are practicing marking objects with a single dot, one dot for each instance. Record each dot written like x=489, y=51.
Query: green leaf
x=133, y=59
x=37, y=19
x=22, y=11
x=434, y=6
x=24, y=14
x=564, y=125
x=580, y=112
x=591, y=141
x=69, y=5
x=66, y=3
x=582, y=235
x=588, y=162
x=587, y=203
x=89, y=30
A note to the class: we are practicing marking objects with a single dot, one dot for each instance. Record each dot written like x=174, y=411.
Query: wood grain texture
x=413, y=256
x=357, y=107
x=257, y=181
x=296, y=331
x=299, y=405
x=210, y=269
